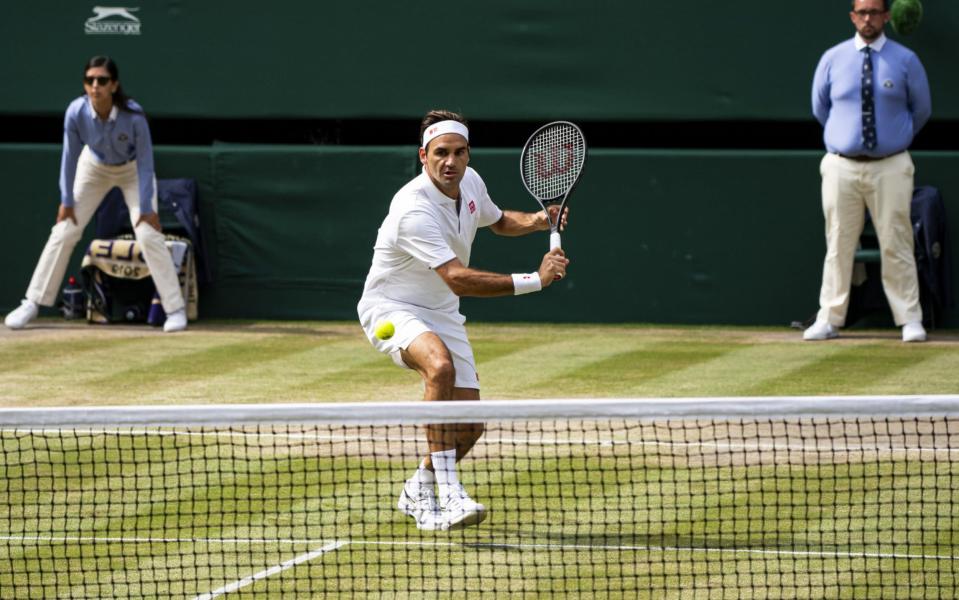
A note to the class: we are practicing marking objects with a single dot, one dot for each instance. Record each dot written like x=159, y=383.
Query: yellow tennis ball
x=385, y=330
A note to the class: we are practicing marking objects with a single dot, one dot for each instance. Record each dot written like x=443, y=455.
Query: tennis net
x=841, y=497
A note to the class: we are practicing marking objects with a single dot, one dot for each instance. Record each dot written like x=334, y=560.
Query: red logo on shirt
x=472, y=206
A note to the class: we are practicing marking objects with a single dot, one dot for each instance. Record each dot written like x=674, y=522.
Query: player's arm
x=514, y=223
x=464, y=281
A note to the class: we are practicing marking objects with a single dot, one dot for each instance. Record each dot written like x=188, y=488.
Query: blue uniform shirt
x=123, y=137
x=901, y=92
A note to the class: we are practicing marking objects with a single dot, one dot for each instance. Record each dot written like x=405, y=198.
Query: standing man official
x=420, y=270
x=871, y=95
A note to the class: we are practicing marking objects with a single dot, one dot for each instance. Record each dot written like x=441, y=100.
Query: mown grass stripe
x=286, y=376
x=740, y=371
x=536, y=370
x=637, y=370
x=939, y=370
x=38, y=356
x=179, y=370
x=852, y=370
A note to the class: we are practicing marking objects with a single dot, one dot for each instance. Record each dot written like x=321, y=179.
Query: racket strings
x=553, y=161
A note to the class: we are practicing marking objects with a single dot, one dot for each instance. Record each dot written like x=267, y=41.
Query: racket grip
x=554, y=241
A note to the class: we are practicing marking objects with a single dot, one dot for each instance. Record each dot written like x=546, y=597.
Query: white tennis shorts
x=411, y=322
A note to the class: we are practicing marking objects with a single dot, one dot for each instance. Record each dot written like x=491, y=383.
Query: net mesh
x=552, y=160
x=601, y=505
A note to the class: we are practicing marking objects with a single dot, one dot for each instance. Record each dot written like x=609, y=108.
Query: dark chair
x=179, y=215
x=933, y=262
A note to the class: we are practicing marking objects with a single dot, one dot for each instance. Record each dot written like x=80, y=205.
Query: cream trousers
x=92, y=183
x=885, y=188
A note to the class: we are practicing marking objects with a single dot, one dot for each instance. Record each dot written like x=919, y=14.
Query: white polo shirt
x=421, y=232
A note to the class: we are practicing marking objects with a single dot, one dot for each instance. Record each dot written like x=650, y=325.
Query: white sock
x=444, y=466
x=423, y=476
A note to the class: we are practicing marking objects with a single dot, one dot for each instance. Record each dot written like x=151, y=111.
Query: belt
x=863, y=158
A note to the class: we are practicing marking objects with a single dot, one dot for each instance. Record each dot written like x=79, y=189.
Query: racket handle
x=554, y=241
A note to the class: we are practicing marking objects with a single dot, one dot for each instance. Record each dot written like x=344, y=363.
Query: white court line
x=241, y=583
x=491, y=546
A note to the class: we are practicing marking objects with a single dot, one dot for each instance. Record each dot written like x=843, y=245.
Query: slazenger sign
x=112, y=20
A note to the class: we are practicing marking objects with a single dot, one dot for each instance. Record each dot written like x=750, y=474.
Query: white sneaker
x=418, y=500
x=175, y=321
x=19, y=317
x=459, y=510
x=911, y=332
x=820, y=330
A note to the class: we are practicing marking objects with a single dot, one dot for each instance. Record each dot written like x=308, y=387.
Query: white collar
x=876, y=45
x=114, y=111
x=435, y=193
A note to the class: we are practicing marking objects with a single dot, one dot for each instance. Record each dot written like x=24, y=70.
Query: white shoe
x=418, y=500
x=175, y=321
x=459, y=510
x=911, y=332
x=820, y=330
x=19, y=317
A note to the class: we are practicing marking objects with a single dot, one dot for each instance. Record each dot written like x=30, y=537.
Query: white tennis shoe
x=418, y=500
x=19, y=317
x=175, y=321
x=459, y=510
x=913, y=332
x=820, y=330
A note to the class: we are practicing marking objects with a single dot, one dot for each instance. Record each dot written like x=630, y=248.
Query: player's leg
x=451, y=442
x=469, y=433
x=458, y=508
x=428, y=356
x=155, y=253
x=843, y=211
x=90, y=186
x=890, y=208
x=417, y=497
x=446, y=365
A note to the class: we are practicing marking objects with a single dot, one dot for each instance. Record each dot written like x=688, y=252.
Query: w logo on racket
x=552, y=161
x=559, y=161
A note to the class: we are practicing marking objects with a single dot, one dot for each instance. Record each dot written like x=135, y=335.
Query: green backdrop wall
x=607, y=60
x=657, y=236
x=668, y=236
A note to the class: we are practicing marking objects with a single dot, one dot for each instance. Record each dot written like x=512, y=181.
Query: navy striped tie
x=868, y=105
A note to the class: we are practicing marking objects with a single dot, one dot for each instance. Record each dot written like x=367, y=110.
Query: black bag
x=114, y=300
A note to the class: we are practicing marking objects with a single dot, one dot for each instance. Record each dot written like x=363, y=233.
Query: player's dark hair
x=885, y=5
x=435, y=116
x=120, y=99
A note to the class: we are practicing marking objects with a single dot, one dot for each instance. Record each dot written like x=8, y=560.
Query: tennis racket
x=551, y=163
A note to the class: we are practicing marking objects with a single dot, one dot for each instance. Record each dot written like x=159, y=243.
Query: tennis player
x=106, y=144
x=420, y=270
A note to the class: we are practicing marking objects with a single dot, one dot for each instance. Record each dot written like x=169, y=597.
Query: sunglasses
x=102, y=80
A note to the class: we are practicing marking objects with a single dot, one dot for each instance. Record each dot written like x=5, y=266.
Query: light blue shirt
x=122, y=137
x=901, y=92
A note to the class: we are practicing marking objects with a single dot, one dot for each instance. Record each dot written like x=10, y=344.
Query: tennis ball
x=384, y=330
x=906, y=15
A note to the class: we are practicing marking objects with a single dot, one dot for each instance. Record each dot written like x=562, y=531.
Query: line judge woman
x=106, y=144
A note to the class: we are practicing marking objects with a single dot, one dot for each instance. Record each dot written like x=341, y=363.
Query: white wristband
x=525, y=283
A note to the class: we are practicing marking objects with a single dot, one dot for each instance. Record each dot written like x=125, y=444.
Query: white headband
x=444, y=127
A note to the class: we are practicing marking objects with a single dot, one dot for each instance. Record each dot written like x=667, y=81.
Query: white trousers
x=885, y=188
x=92, y=183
